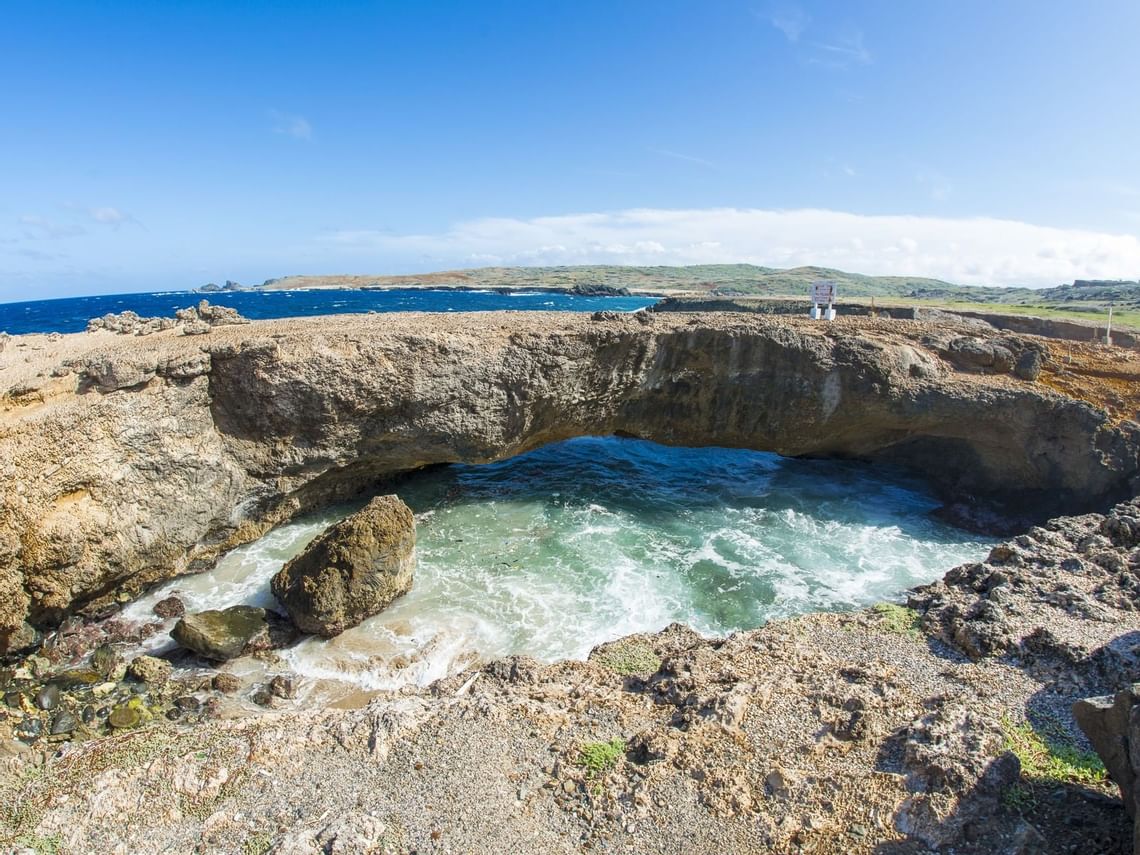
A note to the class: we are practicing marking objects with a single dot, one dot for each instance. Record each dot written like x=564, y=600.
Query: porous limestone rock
x=226, y=634
x=149, y=669
x=1112, y=725
x=352, y=571
x=200, y=318
x=171, y=450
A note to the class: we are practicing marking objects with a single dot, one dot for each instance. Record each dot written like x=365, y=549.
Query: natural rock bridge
x=131, y=460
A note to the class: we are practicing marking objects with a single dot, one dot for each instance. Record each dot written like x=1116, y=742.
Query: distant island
x=1089, y=299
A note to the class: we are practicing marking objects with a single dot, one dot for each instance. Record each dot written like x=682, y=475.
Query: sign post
x=823, y=292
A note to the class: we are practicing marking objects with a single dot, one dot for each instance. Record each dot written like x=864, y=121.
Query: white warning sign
x=823, y=292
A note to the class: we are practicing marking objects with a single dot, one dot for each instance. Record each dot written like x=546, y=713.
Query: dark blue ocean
x=71, y=314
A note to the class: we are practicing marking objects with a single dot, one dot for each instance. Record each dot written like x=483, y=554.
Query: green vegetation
x=1049, y=755
x=898, y=619
x=50, y=845
x=629, y=658
x=257, y=844
x=599, y=757
x=1088, y=301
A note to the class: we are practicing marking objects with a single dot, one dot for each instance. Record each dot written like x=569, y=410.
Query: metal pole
x=1108, y=327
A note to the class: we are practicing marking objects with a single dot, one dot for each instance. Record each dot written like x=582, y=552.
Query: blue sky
x=161, y=145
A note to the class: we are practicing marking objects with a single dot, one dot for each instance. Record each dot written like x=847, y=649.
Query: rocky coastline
x=899, y=729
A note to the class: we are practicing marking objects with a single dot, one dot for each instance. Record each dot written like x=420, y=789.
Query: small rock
x=64, y=722
x=353, y=833
x=283, y=686
x=77, y=678
x=24, y=638
x=262, y=697
x=149, y=669
x=223, y=635
x=124, y=717
x=47, y=698
x=1029, y=365
x=188, y=704
x=227, y=684
x=29, y=730
x=171, y=607
x=104, y=659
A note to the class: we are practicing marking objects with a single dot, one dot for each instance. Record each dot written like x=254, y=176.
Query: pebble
x=188, y=703
x=104, y=659
x=64, y=723
x=47, y=698
x=123, y=717
x=30, y=730
x=283, y=687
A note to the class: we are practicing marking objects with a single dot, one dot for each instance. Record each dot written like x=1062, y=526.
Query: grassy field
x=1121, y=318
x=1088, y=302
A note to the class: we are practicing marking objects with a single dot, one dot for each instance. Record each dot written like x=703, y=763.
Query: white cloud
x=789, y=20
x=980, y=250
x=110, y=216
x=294, y=126
x=842, y=52
x=688, y=158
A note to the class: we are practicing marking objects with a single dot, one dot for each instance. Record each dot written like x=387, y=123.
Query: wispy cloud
x=842, y=52
x=835, y=50
x=111, y=216
x=790, y=20
x=291, y=125
x=688, y=158
x=39, y=255
x=74, y=223
x=42, y=228
x=967, y=250
x=938, y=187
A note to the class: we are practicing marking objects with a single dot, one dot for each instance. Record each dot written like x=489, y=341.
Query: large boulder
x=230, y=633
x=352, y=571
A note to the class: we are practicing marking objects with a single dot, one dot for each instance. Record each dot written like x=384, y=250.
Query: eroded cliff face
x=129, y=461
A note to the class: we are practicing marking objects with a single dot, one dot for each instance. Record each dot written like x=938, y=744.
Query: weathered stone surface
x=283, y=686
x=1010, y=603
x=131, y=323
x=149, y=669
x=352, y=571
x=1029, y=365
x=226, y=683
x=1112, y=725
x=172, y=450
x=169, y=607
x=223, y=635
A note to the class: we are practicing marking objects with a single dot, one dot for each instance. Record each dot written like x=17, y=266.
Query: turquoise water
x=555, y=551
